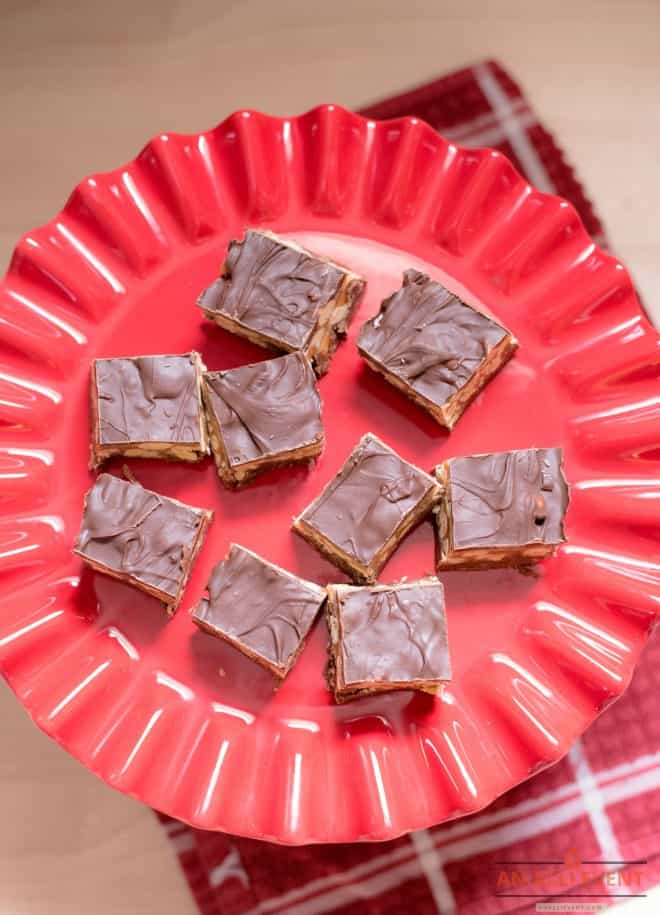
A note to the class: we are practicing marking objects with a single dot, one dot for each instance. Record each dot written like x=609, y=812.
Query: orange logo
x=559, y=878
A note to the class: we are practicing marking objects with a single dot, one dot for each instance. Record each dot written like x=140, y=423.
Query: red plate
x=181, y=721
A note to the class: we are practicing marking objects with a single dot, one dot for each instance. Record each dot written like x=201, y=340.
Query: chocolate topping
x=394, y=633
x=508, y=499
x=264, y=608
x=148, y=399
x=362, y=506
x=138, y=533
x=266, y=408
x=273, y=288
x=428, y=338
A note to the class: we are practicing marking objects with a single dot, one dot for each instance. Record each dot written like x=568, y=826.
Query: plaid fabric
x=600, y=803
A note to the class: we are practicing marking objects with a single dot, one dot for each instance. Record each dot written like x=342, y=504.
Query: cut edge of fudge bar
x=334, y=670
x=451, y=410
x=362, y=573
x=278, y=670
x=237, y=475
x=172, y=451
x=170, y=601
x=481, y=558
x=332, y=322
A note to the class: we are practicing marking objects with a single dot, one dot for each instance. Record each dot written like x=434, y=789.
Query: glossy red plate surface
x=181, y=721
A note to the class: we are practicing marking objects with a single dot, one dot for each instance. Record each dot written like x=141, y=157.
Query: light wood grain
x=86, y=83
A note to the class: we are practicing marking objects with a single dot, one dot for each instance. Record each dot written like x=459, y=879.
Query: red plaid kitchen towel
x=601, y=803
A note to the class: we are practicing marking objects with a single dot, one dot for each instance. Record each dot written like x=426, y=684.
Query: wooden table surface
x=86, y=83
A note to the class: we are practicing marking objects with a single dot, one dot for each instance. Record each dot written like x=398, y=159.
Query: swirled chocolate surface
x=362, y=506
x=266, y=408
x=138, y=534
x=148, y=399
x=428, y=338
x=263, y=608
x=272, y=288
x=508, y=499
x=396, y=633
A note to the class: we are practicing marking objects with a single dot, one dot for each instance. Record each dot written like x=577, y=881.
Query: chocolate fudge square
x=434, y=347
x=262, y=416
x=504, y=509
x=367, y=509
x=278, y=295
x=148, y=407
x=263, y=611
x=387, y=637
x=141, y=537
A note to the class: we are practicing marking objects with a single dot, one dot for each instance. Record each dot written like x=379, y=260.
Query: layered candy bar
x=434, y=347
x=262, y=610
x=503, y=509
x=367, y=509
x=262, y=416
x=141, y=537
x=278, y=295
x=387, y=637
x=148, y=407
